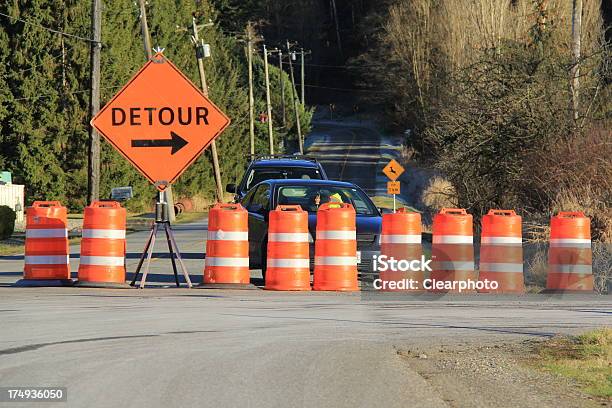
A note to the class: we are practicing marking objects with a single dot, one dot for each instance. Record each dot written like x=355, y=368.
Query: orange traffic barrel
x=569, y=256
x=401, y=240
x=288, y=260
x=227, y=248
x=103, y=245
x=47, y=253
x=501, y=253
x=336, y=248
x=452, y=252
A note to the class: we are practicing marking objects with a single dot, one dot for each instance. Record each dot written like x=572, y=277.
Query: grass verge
x=586, y=358
x=190, y=217
x=387, y=202
x=11, y=247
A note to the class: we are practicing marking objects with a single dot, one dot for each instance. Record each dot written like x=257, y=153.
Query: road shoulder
x=493, y=375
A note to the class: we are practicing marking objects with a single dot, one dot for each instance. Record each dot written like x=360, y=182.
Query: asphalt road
x=168, y=347
x=357, y=151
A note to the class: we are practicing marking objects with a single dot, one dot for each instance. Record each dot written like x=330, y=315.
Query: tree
x=43, y=87
x=38, y=131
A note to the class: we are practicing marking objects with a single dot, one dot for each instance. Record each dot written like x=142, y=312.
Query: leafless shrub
x=536, y=267
x=591, y=204
x=440, y=193
x=484, y=84
x=576, y=173
x=602, y=267
x=425, y=42
x=407, y=153
x=536, y=230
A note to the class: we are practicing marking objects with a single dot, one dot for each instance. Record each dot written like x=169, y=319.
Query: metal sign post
x=161, y=221
x=393, y=188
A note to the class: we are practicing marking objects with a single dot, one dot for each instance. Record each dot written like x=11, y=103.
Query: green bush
x=7, y=221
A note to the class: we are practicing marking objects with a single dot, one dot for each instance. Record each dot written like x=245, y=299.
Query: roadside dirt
x=493, y=375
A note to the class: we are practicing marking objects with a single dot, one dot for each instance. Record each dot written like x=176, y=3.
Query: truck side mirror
x=231, y=188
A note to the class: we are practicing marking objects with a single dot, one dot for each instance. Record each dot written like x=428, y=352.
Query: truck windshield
x=258, y=175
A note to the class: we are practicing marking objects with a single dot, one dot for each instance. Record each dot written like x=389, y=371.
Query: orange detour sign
x=160, y=121
x=393, y=170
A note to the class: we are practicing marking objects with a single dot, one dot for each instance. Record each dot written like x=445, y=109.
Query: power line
x=53, y=57
x=52, y=30
x=344, y=66
x=60, y=93
x=340, y=66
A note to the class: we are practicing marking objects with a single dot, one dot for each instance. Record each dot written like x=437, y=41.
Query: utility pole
x=335, y=17
x=575, y=71
x=144, y=26
x=213, y=146
x=302, y=75
x=249, y=33
x=295, y=100
x=282, y=86
x=268, y=102
x=146, y=38
x=93, y=179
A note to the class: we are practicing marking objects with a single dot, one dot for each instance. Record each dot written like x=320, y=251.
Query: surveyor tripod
x=162, y=220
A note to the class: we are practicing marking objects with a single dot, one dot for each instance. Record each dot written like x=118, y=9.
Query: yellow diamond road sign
x=393, y=170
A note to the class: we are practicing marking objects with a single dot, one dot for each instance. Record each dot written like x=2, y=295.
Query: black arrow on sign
x=175, y=142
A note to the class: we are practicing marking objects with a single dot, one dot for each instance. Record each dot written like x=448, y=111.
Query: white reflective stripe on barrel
x=570, y=242
x=501, y=240
x=104, y=233
x=568, y=268
x=288, y=237
x=47, y=259
x=453, y=266
x=102, y=260
x=501, y=267
x=217, y=261
x=47, y=233
x=336, y=260
x=288, y=263
x=400, y=239
x=453, y=239
x=341, y=234
x=221, y=235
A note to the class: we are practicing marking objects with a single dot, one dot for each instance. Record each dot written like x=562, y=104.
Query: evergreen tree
x=38, y=130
